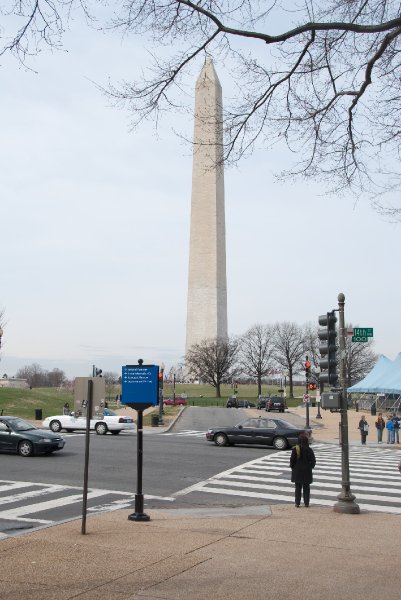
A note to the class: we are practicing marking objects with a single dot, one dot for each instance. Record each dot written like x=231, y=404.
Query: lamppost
x=162, y=367
x=346, y=500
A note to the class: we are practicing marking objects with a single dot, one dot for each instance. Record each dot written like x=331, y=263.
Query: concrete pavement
x=255, y=552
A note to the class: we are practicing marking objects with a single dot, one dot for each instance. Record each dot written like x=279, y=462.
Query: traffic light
x=96, y=372
x=160, y=380
x=328, y=349
x=312, y=386
x=307, y=369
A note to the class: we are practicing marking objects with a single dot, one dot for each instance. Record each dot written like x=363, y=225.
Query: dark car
x=232, y=403
x=261, y=402
x=23, y=438
x=245, y=404
x=259, y=430
x=276, y=403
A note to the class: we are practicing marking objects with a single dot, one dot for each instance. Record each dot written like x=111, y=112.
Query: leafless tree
x=34, y=374
x=328, y=85
x=256, y=352
x=360, y=359
x=110, y=380
x=213, y=361
x=55, y=378
x=322, y=77
x=289, y=341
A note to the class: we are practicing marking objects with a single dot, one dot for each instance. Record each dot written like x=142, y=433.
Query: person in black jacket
x=302, y=462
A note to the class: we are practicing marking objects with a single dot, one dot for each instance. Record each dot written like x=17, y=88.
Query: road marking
x=374, y=479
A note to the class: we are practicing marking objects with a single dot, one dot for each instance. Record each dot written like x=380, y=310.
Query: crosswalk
x=187, y=433
x=375, y=479
x=28, y=505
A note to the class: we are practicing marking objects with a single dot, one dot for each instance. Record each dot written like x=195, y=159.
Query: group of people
x=303, y=461
x=391, y=425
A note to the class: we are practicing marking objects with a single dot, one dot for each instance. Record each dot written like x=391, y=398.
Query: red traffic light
x=307, y=365
x=312, y=386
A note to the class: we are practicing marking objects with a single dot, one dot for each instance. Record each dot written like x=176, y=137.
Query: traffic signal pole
x=346, y=500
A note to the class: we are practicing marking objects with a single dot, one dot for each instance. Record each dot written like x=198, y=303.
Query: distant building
x=14, y=382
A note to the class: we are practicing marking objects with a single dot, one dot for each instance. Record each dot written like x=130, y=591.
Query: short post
x=139, y=515
x=161, y=382
x=318, y=416
x=86, y=466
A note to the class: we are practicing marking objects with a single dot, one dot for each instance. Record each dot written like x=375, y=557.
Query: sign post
x=140, y=389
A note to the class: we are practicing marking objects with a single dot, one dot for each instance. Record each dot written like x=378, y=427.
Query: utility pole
x=346, y=500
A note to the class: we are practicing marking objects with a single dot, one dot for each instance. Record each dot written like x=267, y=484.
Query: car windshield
x=21, y=425
x=109, y=413
x=287, y=424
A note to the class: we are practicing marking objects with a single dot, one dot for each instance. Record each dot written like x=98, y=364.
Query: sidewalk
x=312, y=553
x=247, y=553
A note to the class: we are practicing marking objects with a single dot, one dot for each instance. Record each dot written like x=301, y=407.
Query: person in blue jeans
x=390, y=430
x=396, y=433
x=380, y=424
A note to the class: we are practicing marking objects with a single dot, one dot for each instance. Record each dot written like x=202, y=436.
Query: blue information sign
x=140, y=385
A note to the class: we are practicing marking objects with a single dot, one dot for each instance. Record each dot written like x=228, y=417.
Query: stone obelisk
x=207, y=285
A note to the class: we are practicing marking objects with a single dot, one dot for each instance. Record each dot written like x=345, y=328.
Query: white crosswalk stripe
x=187, y=432
x=374, y=475
x=21, y=501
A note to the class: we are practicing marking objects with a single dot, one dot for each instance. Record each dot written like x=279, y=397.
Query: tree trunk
x=259, y=385
x=291, y=383
x=218, y=395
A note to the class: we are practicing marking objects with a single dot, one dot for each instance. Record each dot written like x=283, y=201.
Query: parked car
x=176, y=402
x=232, y=403
x=245, y=404
x=276, y=403
x=261, y=402
x=109, y=422
x=23, y=438
x=259, y=430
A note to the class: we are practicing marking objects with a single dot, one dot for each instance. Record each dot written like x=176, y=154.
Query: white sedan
x=109, y=422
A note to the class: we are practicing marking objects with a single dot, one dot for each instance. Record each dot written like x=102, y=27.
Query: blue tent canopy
x=384, y=378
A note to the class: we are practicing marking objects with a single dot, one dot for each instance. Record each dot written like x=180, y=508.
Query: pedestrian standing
x=380, y=424
x=363, y=428
x=396, y=423
x=302, y=462
x=390, y=430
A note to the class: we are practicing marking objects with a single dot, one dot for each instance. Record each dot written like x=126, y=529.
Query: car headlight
x=45, y=440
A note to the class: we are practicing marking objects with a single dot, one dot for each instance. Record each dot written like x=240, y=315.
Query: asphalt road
x=41, y=489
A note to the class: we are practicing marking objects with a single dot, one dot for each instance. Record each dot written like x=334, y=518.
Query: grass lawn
x=22, y=403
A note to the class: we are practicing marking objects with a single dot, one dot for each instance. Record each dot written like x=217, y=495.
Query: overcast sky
x=95, y=226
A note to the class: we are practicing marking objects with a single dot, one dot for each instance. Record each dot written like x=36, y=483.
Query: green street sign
x=362, y=332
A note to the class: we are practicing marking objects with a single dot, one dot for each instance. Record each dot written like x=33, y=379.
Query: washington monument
x=207, y=286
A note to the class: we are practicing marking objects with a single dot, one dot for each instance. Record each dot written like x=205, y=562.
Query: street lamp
x=346, y=499
x=162, y=367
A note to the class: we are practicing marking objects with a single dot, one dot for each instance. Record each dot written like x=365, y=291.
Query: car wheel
x=115, y=432
x=25, y=448
x=220, y=439
x=101, y=428
x=280, y=443
x=55, y=426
